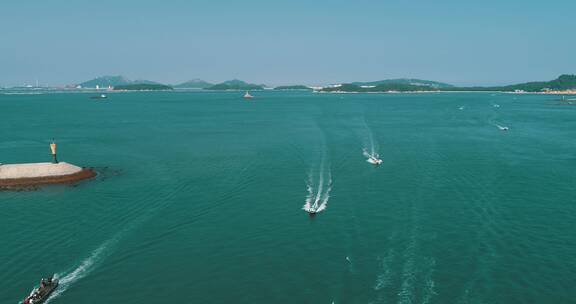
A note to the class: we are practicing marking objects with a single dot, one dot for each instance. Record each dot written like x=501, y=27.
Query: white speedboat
x=248, y=96
x=374, y=160
x=503, y=128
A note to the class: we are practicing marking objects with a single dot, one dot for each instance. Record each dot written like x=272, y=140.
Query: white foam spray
x=370, y=147
x=319, y=194
x=85, y=267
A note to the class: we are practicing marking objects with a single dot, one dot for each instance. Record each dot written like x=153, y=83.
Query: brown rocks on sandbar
x=23, y=176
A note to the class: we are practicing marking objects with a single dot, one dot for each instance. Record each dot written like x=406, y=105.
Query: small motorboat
x=41, y=294
x=312, y=209
x=374, y=160
x=503, y=128
x=101, y=96
x=248, y=96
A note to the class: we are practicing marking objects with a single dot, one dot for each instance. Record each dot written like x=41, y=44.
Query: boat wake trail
x=97, y=256
x=370, y=146
x=319, y=192
x=500, y=127
x=85, y=267
x=406, y=276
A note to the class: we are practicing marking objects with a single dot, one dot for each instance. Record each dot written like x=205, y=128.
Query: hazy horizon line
x=37, y=83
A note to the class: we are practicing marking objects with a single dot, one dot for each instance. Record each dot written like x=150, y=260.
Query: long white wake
x=319, y=193
x=96, y=257
x=500, y=127
x=370, y=147
x=85, y=267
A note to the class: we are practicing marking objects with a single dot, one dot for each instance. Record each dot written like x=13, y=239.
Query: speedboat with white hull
x=248, y=96
x=374, y=160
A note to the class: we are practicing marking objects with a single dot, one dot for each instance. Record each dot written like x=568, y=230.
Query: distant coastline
x=567, y=92
x=563, y=85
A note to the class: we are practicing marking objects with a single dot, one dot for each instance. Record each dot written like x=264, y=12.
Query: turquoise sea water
x=199, y=198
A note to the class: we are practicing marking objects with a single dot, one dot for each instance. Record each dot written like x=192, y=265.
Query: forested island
x=236, y=85
x=143, y=87
x=388, y=87
x=193, y=84
x=562, y=84
x=293, y=88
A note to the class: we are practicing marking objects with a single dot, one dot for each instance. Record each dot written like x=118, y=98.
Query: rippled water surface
x=200, y=198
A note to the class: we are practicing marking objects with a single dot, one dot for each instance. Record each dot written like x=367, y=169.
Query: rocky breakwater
x=23, y=176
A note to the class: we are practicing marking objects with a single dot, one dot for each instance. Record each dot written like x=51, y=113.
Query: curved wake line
x=87, y=266
x=317, y=200
x=369, y=156
x=82, y=270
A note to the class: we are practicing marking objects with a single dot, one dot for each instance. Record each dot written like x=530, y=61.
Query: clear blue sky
x=287, y=42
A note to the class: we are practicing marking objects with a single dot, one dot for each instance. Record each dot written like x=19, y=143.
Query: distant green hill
x=113, y=81
x=105, y=81
x=406, y=81
x=562, y=83
x=385, y=87
x=194, y=84
x=390, y=85
x=143, y=81
x=142, y=87
x=293, y=87
x=235, y=85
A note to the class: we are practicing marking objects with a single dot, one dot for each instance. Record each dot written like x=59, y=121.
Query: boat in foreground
x=374, y=160
x=41, y=294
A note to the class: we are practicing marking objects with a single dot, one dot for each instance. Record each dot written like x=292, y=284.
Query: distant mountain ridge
x=563, y=82
x=384, y=87
x=293, y=88
x=113, y=81
x=142, y=87
x=235, y=84
x=406, y=81
x=194, y=84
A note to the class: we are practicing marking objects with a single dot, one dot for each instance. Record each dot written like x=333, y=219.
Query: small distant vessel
x=374, y=159
x=496, y=105
x=41, y=294
x=248, y=96
x=461, y=108
x=503, y=128
x=101, y=96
